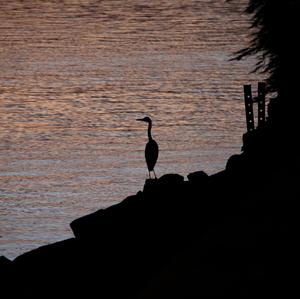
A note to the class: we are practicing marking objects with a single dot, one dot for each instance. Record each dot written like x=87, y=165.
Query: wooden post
x=249, y=107
x=261, y=90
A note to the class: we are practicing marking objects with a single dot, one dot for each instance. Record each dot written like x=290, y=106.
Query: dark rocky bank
x=233, y=233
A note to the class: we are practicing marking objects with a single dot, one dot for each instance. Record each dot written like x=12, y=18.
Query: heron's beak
x=140, y=119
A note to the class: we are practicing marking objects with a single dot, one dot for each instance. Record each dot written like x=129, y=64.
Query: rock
x=197, y=177
x=5, y=267
x=234, y=164
x=171, y=178
x=5, y=277
x=165, y=183
x=98, y=224
x=4, y=262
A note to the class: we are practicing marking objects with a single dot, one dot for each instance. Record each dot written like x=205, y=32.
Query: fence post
x=249, y=107
x=261, y=90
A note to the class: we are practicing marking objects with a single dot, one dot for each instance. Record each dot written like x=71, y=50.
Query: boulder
x=198, y=177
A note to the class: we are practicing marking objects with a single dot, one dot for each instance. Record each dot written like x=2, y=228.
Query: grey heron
x=151, y=150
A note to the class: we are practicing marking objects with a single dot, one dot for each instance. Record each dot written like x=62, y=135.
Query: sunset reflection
x=74, y=77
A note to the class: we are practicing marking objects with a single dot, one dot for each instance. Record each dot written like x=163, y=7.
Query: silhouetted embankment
x=232, y=233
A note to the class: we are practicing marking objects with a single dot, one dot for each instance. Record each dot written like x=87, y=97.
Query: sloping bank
x=231, y=233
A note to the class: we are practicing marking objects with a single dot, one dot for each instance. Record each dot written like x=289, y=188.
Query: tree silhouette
x=274, y=32
x=276, y=26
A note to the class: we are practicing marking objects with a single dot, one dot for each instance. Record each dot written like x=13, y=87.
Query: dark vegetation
x=275, y=31
x=234, y=233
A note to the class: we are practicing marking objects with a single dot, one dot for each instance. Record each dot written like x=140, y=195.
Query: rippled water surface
x=74, y=76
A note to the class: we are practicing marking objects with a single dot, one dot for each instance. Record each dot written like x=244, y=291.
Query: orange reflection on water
x=74, y=77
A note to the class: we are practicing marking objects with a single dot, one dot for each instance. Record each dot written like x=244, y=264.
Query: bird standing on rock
x=151, y=150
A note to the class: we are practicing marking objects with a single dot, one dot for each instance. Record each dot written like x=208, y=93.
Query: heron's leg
x=149, y=175
x=154, y=174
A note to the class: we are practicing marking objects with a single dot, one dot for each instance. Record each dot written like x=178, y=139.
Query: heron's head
x=145, y=119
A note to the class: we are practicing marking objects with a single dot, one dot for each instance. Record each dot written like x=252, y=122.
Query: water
x=74, y=76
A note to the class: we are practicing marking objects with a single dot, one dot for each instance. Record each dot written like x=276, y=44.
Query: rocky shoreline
x=231, y=233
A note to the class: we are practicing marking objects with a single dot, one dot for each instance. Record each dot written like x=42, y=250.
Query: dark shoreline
x=231, y=233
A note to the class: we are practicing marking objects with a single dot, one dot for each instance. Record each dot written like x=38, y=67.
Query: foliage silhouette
x=274, y=41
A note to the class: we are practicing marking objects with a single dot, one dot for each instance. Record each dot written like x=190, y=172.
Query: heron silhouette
x=151, y=150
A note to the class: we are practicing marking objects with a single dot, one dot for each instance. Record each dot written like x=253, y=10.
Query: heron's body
x=151, y=150
x=151, y=154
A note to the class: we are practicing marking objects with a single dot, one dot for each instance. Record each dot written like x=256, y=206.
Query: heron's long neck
x=149, y=131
